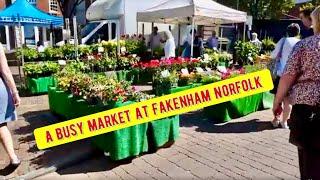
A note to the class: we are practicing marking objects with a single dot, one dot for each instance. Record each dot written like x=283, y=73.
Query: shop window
x=54, y=7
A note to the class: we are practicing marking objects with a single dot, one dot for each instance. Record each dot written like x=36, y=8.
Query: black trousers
x=304, y=124
x=309, y=164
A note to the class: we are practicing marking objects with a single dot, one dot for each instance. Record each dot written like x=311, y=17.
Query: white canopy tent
x=111, y=10
x=196, y=12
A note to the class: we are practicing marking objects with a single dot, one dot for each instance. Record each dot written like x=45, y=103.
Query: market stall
x=22, y=13
x=120, y=144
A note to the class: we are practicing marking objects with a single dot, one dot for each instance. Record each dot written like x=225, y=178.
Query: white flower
x=123, y=49
x=100, y=49
x=62, y=62
x=165, y=73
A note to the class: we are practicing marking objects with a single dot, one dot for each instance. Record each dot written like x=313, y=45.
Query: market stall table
x=120, y=144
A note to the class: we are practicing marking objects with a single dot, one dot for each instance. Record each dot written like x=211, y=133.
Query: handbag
x=274, y=63
x=304, y=125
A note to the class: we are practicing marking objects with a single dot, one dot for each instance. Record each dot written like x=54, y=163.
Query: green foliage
x=246, y=52
x=104, y=64
x=210, y=79
x=51, y=54
x=97, y=89
x=311, y=6
x=158, y=52
x=36, y=70
x=212, y=58
x=162, y=84
x=28, y=54
x=68, y=51
x=84, y=50
x=268, y=45
x=262, y=9
x=253, y=68
x=135, y=47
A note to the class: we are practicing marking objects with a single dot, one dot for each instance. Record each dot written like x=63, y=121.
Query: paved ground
x=246, y=148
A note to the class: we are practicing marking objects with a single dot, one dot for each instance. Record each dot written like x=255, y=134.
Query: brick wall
x=43, y=5
x=2, y=4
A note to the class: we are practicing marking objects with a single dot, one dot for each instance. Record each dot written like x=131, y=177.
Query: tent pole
x=75, y=36
x=22, y=55
x=109, y=30
x=192, y=36
x=244, y=31
x=118, y=36
x=36, y=34
x=221, y=34
x=152, y=26
x=179, y=35
x=7, y=37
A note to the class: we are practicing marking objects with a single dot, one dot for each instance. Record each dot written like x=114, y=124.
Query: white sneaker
x=284, y=125
x=275, y=123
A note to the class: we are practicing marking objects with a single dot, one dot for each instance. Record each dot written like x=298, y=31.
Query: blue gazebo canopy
x=27, y=14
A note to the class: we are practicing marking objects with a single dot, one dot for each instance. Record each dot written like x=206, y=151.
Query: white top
x=41, y=48
x=288, y=46
x=170, y=48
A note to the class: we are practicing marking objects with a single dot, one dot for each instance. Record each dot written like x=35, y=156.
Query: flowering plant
x=97, y=89
x=44, y=69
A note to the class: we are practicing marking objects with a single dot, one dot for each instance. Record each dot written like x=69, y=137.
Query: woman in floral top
x=301, y=79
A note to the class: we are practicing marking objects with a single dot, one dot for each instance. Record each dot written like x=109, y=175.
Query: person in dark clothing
x=305, y=16
x=198, y=46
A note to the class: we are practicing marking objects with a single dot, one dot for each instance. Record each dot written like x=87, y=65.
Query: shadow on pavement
x=99, y=163
x=8, y=170
x=204, y=125
x=51, y=156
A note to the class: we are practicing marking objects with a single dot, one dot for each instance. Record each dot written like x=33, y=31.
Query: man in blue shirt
x=213, y=41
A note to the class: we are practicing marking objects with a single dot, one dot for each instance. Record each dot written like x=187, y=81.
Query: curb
x=70, y=160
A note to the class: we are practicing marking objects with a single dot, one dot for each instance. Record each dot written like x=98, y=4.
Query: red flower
x=193, y=60
x=242, y=71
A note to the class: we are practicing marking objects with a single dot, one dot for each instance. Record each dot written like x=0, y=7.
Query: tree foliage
x=261, y=9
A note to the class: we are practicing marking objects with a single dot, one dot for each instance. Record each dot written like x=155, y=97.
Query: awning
x=205, y=12
x=27, y=14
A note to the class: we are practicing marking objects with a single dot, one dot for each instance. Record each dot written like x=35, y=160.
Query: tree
x=261, y=9
x=68, y=7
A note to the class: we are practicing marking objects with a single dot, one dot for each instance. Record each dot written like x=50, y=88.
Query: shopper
x=255, y=40
x=307, y=22
x=213, y=41
x=155, y=39
x=281, y=54
x=170, y=46
x=198, y=46
x=187, y=44
x=40, y=47
x=9, y=100
x=301, y=79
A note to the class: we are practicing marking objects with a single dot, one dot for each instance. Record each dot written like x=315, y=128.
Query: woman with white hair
x=255, y=40
x=170, y=46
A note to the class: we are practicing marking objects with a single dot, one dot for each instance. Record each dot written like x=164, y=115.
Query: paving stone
x=122, y=173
